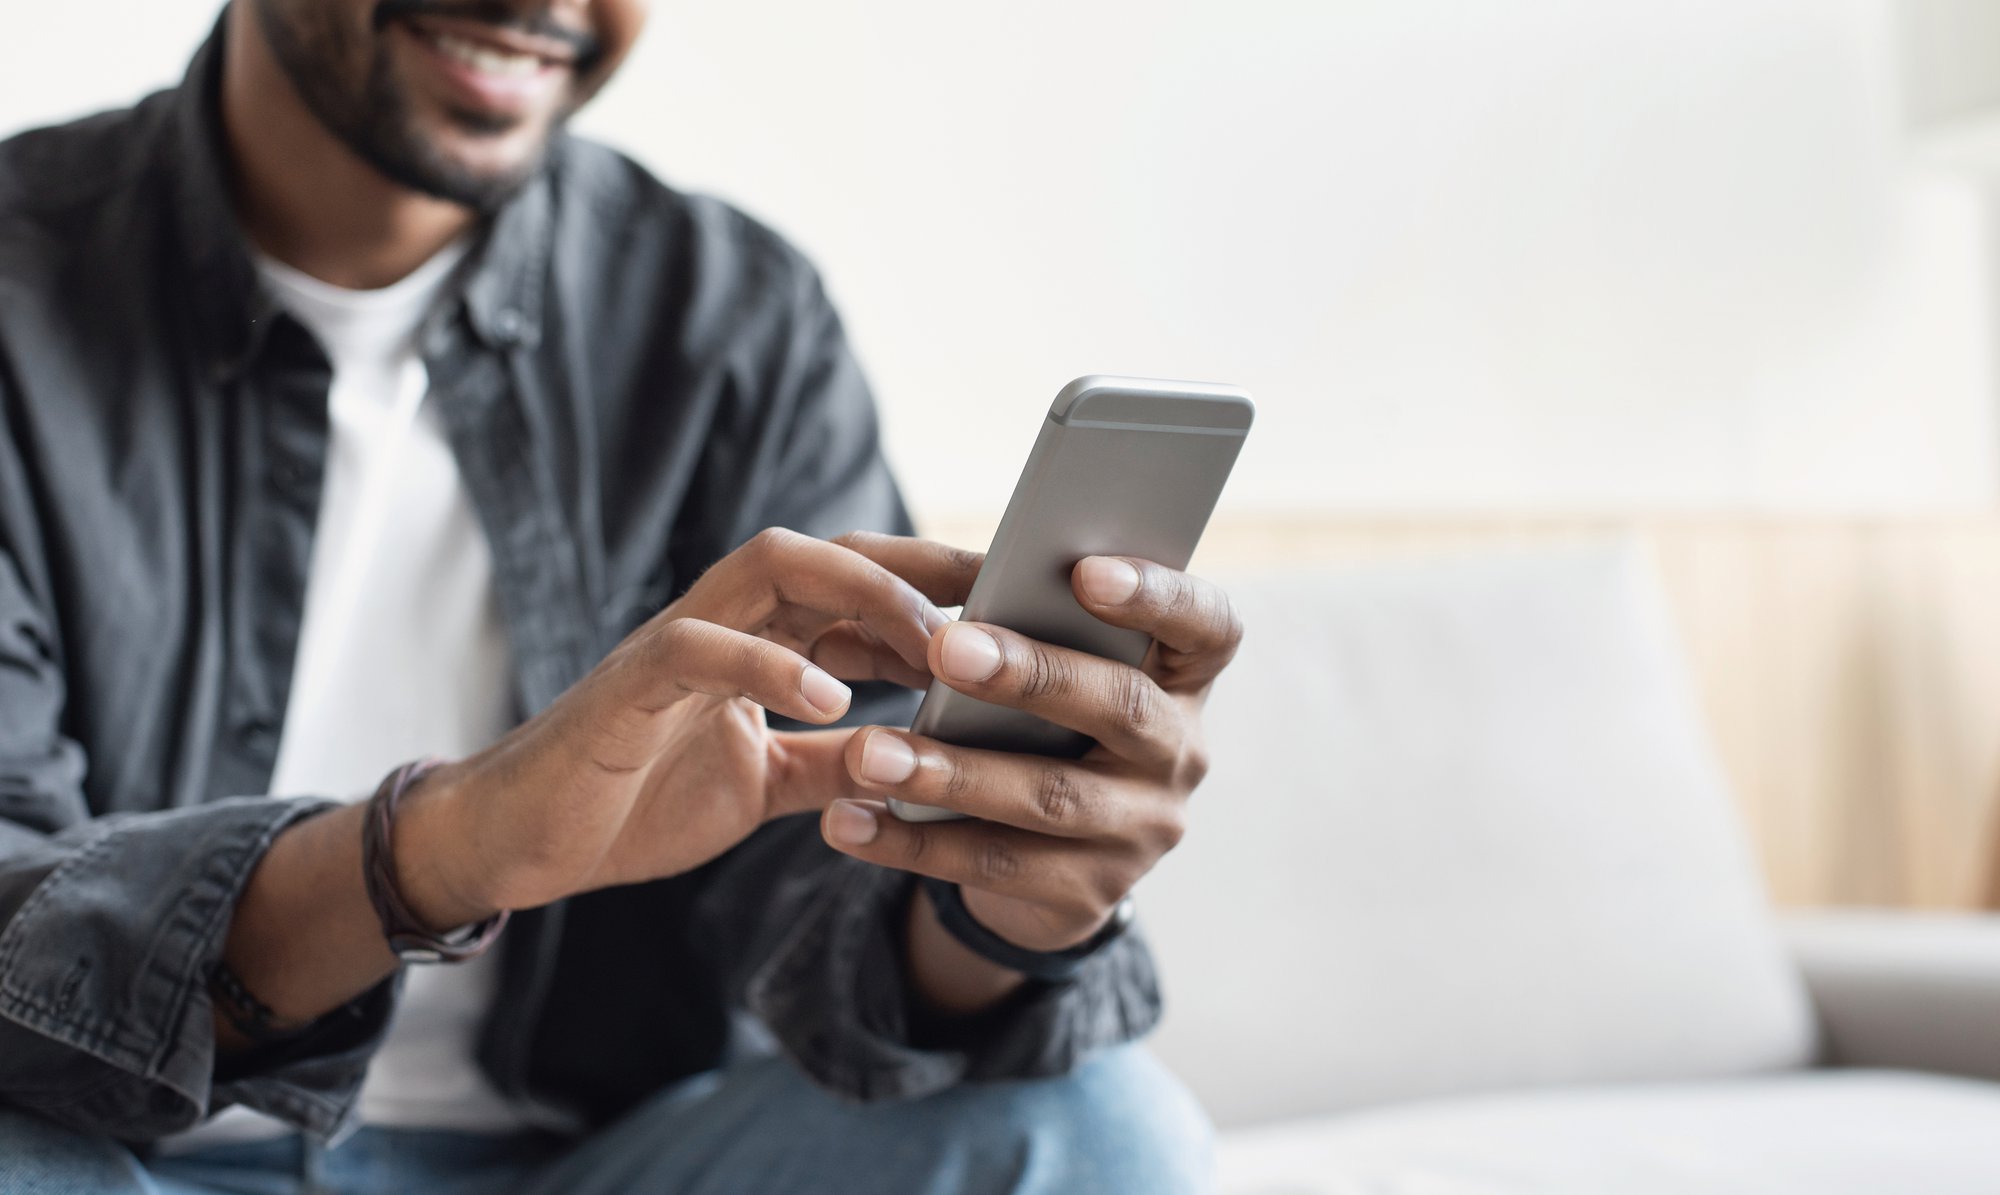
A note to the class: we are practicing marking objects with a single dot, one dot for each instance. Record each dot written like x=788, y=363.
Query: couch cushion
x=1463, y=830
x=1818, y=1133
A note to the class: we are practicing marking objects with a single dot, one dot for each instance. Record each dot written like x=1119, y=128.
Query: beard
x=377, y=121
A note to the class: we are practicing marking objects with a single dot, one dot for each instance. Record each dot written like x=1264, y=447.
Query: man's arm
x=305, y=940
x=109, y=926
x=652, y=765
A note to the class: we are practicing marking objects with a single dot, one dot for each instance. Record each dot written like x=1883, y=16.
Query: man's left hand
x=1057, y=843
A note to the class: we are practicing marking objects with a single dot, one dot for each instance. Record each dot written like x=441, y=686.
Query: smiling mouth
x=489, y=59
x=497, y=51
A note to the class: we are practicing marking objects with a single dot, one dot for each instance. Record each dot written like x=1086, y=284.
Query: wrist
x=946, y=979
x=429, y=847
x=1055, y=965
x=1029, y=927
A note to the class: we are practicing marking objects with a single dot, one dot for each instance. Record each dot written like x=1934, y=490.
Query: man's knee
x=1121, y=1122
x=44, y=1158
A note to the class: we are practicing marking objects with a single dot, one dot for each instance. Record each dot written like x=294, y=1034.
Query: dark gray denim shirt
x=634, y=381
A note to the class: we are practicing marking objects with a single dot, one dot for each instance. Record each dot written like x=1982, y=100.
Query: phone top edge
x=1101, y=400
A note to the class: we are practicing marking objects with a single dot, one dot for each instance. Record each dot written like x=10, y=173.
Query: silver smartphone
x=1123, y=467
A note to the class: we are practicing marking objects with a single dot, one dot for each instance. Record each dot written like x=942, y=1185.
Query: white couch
x=1465, y=907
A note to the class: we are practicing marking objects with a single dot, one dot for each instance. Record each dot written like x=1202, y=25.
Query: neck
x=302, y=195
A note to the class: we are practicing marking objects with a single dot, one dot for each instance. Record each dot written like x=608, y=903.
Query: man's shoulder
x=656, y=224
x=49, y=172
x=75, y=200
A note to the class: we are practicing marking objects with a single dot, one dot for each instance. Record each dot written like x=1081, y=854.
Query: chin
x=492, y=165
x=476, y=168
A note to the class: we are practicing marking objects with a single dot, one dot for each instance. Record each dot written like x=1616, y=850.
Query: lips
x=495, y=72
x=484, y=57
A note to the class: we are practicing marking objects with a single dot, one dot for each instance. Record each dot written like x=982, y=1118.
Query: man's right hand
x=659, y=760
x=656, y=762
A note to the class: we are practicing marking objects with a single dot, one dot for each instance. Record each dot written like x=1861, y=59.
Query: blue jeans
x=1120, y=1124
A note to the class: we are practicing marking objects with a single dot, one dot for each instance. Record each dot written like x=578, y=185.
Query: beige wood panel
x=1849, y=668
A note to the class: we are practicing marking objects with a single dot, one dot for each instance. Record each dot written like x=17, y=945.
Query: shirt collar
x=502, y=288
x=230, y=309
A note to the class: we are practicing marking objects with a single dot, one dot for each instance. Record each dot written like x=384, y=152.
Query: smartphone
x=1122, y=467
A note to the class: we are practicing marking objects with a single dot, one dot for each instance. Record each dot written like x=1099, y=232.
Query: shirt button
x=510, y=325
x=257, y=734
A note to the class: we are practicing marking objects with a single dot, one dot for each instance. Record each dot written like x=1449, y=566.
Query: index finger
x=940, y=572
x=780, y=570
x=1191, y=619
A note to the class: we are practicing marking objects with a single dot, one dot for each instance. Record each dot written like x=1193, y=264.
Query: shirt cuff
x=312, y=1080
x=835, y=996
x=107, y=961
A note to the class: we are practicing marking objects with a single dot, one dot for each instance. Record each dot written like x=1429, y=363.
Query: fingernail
x=886, y=759
x=970, y=654
x=935, y=619
x=851, y=825
x=1109, y=581
x=827, y=695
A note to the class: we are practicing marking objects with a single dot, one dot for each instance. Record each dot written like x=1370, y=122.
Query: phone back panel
x=1122, y=467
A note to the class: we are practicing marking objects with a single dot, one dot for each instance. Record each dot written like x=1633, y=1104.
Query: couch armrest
x=1908, y=990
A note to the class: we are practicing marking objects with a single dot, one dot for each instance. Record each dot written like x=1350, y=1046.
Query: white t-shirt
x=402, y=654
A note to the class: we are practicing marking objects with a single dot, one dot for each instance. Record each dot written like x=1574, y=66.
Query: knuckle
x=1082, y=905
x=1138, y=701
x=1058, y=797
x=770, y=542
x=995, y=862
x=1231, y=624
x=916, y=843
x=955, y=783
x=963, y=558
x=1109, y=886
x=1046, y=675
x=1203, y=607
x=1097, y=889
x=1192, y=766
x=1181, y=599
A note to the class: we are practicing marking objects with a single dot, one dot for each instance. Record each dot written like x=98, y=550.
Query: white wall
x=1574, y=253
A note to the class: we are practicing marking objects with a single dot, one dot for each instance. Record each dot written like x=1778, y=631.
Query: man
x=357, y=416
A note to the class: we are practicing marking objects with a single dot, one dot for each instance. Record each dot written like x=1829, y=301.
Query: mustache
x=500, y=14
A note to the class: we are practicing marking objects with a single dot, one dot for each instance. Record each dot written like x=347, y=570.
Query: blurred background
x=1472, y=255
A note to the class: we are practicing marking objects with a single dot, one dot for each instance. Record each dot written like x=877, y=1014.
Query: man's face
x=455, y=98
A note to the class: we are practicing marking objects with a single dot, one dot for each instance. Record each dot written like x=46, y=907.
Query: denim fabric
x=1119, y=1125
x=634, y=381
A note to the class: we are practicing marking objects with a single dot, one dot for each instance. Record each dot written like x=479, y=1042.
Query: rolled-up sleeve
x=811, y=940
x=109, y=927
x=822, y=967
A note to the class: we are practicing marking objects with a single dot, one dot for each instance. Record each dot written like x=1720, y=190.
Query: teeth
x=485, y=58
